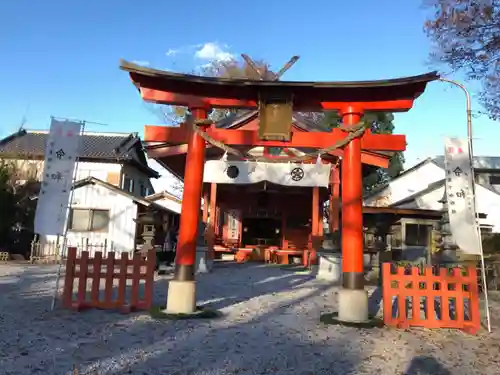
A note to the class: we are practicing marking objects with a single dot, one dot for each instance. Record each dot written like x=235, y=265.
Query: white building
x=422, y=187
x=112, y=187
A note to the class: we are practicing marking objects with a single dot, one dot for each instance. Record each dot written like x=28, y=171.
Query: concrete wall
x=406, y=185
x=139, y=179
x=120, y=234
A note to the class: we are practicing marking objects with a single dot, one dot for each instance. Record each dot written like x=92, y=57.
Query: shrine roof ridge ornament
x=408, y=88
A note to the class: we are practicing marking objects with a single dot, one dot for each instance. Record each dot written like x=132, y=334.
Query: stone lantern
x=445, y=244
x=147, y=219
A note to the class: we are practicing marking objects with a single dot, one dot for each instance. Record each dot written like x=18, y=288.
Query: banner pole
x=473, y=187
x=66, y=225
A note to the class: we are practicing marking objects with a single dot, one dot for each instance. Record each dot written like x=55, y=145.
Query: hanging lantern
x=275, y=116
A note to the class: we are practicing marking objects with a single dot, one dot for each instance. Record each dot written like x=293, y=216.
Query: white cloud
x=141, y=62
x=181, y=50
x=172, y=52
x=214, y=52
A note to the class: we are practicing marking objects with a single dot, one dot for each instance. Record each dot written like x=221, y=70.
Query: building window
x=494, y=180
x=128, y=184
x=417, y=234
x=88, y=220
x=486, y=229
x=143, y=190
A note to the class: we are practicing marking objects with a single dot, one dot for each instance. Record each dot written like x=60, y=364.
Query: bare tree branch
x=466, y=37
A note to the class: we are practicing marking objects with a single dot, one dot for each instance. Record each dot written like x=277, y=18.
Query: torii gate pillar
x=181, y=298
x=352, y=298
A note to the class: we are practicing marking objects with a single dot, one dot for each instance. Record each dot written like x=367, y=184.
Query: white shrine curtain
x=287, y=174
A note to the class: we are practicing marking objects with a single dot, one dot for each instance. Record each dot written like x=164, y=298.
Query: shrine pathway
x=271, y=326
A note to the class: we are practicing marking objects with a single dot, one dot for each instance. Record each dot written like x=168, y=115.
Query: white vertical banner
x=61, y=154
x=459, y=193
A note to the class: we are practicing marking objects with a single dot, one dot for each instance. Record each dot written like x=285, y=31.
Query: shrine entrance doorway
x=286, y=221
x=261, y=231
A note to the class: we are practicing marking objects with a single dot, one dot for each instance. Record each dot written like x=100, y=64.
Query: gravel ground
x=271, y=326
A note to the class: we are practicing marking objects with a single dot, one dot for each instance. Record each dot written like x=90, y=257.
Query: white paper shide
x=459, y=193
x=287, y=174
x=61, y=154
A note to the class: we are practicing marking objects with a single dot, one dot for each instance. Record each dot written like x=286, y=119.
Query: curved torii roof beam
x=394, y=95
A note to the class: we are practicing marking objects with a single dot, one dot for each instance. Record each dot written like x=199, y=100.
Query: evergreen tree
x=7, y=203
x=381, y=123
x=17, y=208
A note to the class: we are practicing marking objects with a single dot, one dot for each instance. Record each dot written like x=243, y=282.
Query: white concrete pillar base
x=181, y=297
x=353, y=306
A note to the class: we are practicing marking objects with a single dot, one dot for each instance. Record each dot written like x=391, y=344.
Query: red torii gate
x=350, y=99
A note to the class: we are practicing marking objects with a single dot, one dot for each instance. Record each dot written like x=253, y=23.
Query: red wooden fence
x=442, y=299
x=85, y=268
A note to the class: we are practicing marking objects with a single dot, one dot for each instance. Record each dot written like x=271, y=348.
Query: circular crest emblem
x=297, y=174
x=232, y=171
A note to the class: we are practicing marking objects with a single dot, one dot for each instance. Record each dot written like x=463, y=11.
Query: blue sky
x=60, y=58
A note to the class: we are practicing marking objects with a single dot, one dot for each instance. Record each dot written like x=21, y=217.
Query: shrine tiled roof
x=301, y=121
x=94, y=147
x=240, y=118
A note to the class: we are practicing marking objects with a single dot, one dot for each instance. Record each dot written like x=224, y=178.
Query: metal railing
x=54, y=251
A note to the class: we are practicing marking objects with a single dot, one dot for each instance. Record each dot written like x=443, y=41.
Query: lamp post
x=473, y=188
x=469, y=113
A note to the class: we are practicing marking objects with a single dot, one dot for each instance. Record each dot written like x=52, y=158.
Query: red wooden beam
x=401, y=105
x=373, y=159
x=374, y=142
x=166, y=151
x=170, y=98
x=368, y=158
x=168, y=134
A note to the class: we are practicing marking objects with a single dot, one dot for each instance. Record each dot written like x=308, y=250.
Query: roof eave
x=221, y=81
x=163, y=195
x=96, y=181
x=11, y=137
x=307, y=95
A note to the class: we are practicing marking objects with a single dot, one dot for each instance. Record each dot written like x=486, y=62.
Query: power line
x=78, y=120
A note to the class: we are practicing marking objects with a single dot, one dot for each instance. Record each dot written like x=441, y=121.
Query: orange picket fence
x=114, y=297
x=435, y=299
